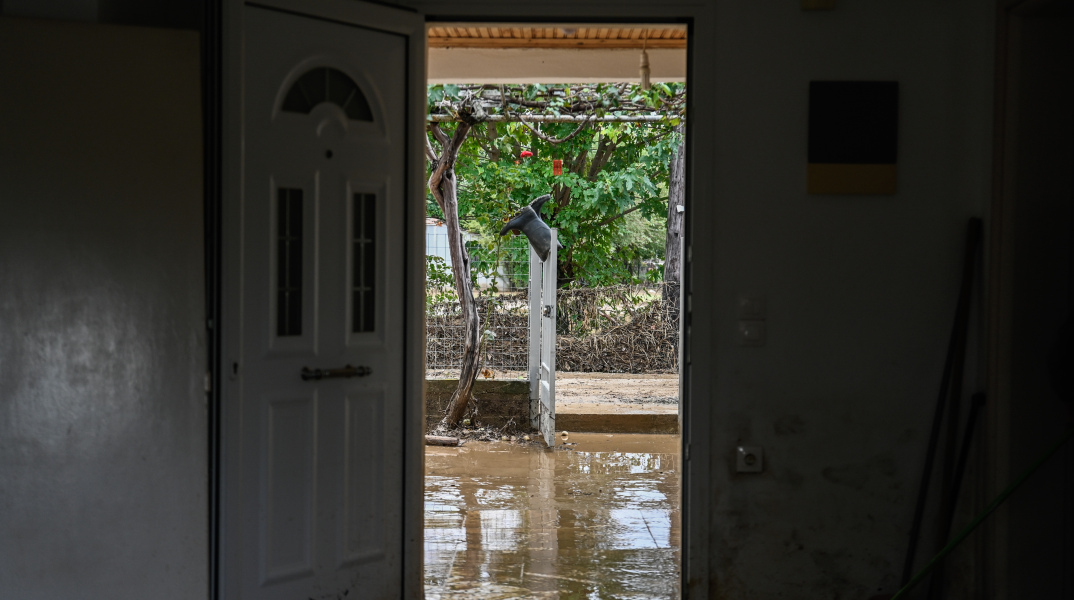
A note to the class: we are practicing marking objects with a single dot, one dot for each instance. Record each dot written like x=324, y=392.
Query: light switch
x=750, y=459
x=752, y=307
x=751, y=333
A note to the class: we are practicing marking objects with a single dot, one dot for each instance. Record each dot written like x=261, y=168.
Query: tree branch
x=605, y=150
x=618, y=216
x=439, y=134
x=552, y=140
x=440, y=165
x=429, y=152
x=492, y=134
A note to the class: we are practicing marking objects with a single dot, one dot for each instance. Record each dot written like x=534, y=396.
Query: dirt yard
x=658, y=392
x=618, y=388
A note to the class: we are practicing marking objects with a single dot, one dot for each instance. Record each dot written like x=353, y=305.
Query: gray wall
x=172, y=14
x=861, y=290
x=103, y=423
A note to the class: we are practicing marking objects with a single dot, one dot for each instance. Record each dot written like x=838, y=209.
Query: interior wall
x=860, y=290
x=172, y=14
x=103, y=424
x=1040, y=195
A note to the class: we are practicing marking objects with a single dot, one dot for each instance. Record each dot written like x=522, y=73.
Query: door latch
x=346, y=371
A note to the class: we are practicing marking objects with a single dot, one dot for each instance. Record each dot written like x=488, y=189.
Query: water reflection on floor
x=597, y=520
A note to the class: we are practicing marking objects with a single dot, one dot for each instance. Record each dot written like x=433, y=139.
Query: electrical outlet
x=749, y=459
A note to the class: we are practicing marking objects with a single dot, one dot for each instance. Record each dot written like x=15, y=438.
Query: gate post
x=536, y=270
x=542, y=342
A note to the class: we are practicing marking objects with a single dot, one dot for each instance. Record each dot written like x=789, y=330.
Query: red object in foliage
x=557, y=166
x=526, y=154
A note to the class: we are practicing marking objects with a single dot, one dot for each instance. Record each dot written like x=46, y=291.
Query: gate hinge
x=547, y=309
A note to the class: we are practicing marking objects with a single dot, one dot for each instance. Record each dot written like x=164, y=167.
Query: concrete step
x=618, y=422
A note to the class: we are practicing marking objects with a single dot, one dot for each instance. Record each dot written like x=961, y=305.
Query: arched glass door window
x=325, y=84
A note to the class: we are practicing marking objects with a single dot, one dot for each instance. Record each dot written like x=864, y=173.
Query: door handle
x=346, y=371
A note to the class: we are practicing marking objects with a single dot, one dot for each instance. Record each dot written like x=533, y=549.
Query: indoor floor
x=598, y=517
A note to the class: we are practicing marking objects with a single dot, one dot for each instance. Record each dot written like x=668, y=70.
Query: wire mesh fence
x=611, y=329
x=501, y=281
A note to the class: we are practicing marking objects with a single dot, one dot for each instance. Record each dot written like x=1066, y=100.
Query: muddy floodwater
x=596, y=518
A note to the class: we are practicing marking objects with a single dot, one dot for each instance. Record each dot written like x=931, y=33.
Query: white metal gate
x=543, y=276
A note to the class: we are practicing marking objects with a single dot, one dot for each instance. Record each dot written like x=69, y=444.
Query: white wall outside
x=551, y=65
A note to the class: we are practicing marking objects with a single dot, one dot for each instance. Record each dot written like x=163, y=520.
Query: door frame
x=398, y=20
x=994, y=548
x=699, y=264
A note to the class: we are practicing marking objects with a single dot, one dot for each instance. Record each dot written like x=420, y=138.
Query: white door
x=316, y=507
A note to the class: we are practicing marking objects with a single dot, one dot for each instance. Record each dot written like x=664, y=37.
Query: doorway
x=511, y=516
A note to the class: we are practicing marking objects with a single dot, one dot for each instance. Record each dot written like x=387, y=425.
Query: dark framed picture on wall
x=853, y=137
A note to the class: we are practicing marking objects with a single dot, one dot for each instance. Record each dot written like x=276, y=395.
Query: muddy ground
x=601, y=388
x=617, y=388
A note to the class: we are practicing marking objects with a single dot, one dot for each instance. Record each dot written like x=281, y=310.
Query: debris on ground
x=441, y=440
x=510, y=433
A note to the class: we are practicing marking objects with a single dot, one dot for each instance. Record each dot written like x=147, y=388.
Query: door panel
x=363, y=530
x=319, y=493
x=291, y=462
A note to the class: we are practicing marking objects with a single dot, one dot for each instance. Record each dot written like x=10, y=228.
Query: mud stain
x=856, y=476
x=790, y=477
x=789, y=425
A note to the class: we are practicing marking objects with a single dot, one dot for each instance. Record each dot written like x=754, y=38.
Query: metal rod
x=981, y=517
x=936, y=585
x=958, y=336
